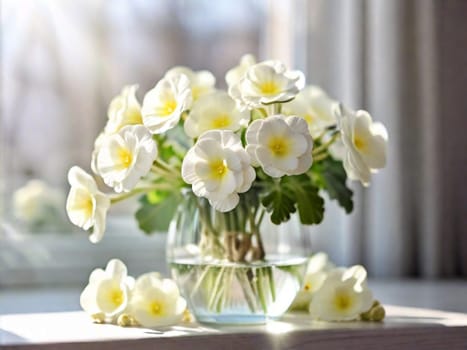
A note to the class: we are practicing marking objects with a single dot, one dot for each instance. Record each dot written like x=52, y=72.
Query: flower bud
x=125, y=320
x=98, y=318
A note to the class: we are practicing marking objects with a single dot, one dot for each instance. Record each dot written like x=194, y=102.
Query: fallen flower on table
x=108, y=292
x=114, y=297
x=332, y=293
x=315, y=275
x=343, y=296
x=156, y=302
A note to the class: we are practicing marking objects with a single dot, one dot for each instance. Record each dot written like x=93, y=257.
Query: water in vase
x=226, y=292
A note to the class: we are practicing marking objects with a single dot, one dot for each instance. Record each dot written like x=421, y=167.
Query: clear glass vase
x=235, y=267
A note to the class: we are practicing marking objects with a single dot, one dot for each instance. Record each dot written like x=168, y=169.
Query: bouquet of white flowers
x=269, y=146
x=269, y=134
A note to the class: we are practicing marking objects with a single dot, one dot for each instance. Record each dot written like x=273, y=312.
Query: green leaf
x=310, y=204
x=282, y=198
x=157, y=196
x=331, y=176
x=156, y=217
x=279, y=202
x=171, y=146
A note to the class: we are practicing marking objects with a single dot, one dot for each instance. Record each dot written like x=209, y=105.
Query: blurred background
x=405, y=61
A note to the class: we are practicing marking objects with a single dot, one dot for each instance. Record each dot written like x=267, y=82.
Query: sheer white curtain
x=383, y=56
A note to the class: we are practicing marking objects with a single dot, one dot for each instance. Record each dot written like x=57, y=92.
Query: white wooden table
x=404, y=327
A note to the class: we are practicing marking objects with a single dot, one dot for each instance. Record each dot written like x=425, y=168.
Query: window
x=63, y=61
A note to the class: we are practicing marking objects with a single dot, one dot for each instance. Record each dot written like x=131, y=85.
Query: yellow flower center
x=359, y=143
x=88, y=206
x=343, y=301
x=221, y=121
x=309, y=118
x=134, y=116
x=125, y=157
x=117, y=297
x=307, y=287
x=156, y=308
x=168, y=108
x=218, y=169
x=269, y=87
x=197, y=91
x=279, y=146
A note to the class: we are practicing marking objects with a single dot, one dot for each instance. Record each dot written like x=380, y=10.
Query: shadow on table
x=9, y=337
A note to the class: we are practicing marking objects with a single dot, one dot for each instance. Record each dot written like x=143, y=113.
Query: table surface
x=45, y=327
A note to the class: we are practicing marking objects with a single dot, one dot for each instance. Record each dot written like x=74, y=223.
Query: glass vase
x=235, y=267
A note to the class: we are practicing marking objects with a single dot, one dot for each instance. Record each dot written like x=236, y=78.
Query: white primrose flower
x=156, y=302
x=315, y=106
x=214, y=111
x=34, y=201
x=97, y=146
x=218, y=168
x=125, y=157
x=365, y=144
x=343, y=296
x=86, y=205
x=280, y=145
x=123, y=110
x=108, y=291
x=265, y=83
x=201, y=82
x=234, y=75
x=317, y=269
x=165, y=103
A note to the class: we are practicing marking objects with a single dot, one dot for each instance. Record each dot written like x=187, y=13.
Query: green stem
x=271, y=283
x=325, y=131
x=200, y=280
x=320, y=156
x=219, y=303
x=325, y=146
x=261, y=295
x=166, y=173
x=277, y=108
x=216, y=289
x=165, y=165
x=140, y=190
x=247, y=288
x=260, y=219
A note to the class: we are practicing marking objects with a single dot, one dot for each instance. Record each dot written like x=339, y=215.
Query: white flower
x=214, y=111
x=365, y=143
x=108, y=292
x=343, y=296
x=280, y=145
x=86, y=205
x=201, y=82
x=315, y=275
x=234, y=75
x=218, y=168
x=315, y=106
x=35, y=200
x=265, y=83
x=165, y=103
x=156, y=302
x=123, y=110
x=126, y=156
x=97, y=146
